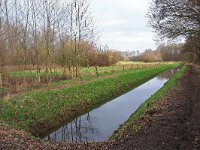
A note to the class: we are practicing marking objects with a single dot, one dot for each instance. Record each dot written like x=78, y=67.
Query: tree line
x=164, y=52
x=173, y=19
x=47, y=33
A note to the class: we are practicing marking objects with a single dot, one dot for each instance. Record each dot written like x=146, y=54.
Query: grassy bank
x=38, y=112
x=74, y=81
x=32, y=74
x=121, y=66
x=170, y=85
x=63, y=83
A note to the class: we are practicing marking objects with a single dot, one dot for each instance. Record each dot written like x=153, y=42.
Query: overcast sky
x=122, y=24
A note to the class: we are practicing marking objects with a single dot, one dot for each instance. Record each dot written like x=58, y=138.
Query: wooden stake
x=1, y=82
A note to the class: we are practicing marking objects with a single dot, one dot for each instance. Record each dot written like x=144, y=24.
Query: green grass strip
x=170, y=85
x=48, y=109
x=32, y=74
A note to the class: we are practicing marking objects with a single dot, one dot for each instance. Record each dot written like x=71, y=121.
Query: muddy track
x=173, y=124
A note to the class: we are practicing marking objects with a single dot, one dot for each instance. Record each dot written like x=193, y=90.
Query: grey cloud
x=122, y=24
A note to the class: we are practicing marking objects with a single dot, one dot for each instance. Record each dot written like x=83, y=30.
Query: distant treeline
x=175, y=19
x=171, y=52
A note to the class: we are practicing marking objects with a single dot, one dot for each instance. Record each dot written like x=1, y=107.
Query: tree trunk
x=1, y=82
x=96, y=68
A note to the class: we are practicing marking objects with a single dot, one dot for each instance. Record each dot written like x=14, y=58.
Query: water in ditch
x=99, y=124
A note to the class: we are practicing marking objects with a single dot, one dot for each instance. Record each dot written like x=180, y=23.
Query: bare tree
x=39, y=35
x=176, y=18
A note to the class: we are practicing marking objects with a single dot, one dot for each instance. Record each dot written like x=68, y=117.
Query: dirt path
x=173, y=124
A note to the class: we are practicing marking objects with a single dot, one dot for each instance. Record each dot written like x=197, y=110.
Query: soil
x=172, y=124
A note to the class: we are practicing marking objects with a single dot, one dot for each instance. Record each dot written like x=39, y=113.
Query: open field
x=58, y=71
x=129, y=62
x=32, y=74
x=38, y=112
x=139, y=63
x=14, y=82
